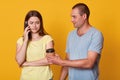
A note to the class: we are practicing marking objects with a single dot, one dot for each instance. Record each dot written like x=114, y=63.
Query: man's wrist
x=62, y=62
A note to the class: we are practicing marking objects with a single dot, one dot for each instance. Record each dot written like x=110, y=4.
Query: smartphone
x=26, y=25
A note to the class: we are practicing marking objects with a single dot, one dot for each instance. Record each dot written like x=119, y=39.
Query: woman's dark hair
x=34, y=13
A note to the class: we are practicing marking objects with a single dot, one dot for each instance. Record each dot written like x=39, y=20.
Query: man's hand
x=54, y=59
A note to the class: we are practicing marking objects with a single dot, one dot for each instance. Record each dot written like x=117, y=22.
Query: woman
x=31, y=49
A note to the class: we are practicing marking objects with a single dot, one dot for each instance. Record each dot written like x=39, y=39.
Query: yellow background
x=105, y=16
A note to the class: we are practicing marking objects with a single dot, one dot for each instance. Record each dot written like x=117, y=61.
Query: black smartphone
x=26, y=25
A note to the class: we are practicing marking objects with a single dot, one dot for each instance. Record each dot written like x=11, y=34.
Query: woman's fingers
x=27, y=29
x=26, y=32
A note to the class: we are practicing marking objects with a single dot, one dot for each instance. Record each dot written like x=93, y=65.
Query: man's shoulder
x=96, y=30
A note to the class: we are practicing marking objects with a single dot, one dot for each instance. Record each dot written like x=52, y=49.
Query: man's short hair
x=83, y=8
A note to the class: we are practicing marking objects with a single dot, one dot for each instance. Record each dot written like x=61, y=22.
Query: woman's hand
x=26, y=32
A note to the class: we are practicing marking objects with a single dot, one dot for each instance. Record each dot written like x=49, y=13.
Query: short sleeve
x=20, y=41
x=48, y=38
x=96, y=43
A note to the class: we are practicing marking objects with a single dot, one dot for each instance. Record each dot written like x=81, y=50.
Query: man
x=84, y=45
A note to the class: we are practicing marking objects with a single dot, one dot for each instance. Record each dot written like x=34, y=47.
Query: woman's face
x=34, y=24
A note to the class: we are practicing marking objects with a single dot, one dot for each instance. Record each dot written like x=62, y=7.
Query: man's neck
x=82, y=30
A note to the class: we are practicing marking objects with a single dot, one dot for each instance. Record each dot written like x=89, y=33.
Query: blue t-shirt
x=78, y=47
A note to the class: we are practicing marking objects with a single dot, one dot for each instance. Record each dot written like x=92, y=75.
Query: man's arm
x=64, y=70
x=80, y=63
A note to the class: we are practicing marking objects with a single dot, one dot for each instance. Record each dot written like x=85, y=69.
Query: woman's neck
x=35, y=37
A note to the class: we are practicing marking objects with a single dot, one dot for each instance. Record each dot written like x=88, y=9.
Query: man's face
x=77, y=19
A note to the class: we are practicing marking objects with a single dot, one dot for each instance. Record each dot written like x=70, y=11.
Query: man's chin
x=75, y=26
